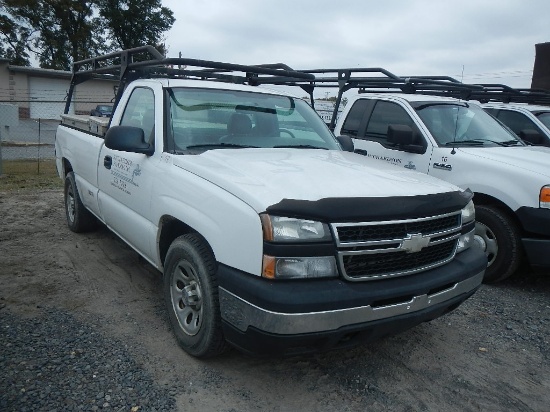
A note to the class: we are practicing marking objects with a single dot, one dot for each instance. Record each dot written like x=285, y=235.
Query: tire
x=499, y=238
x=79, y=219
x=191, y=296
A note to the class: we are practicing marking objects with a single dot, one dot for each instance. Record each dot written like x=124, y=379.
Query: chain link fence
x=27, y=133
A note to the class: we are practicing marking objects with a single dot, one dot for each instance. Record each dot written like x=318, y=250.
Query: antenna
x=462, y=76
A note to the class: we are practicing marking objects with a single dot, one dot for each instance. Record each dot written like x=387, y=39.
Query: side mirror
x=128, y=139
x=402, y=136
x=531, y=136
x=346, y=143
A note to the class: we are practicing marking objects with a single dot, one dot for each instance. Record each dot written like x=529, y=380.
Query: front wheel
x=191, y=296
x=497, y=235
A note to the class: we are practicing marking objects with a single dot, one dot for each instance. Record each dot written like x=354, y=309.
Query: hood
x=533, y=159
x=264, y=177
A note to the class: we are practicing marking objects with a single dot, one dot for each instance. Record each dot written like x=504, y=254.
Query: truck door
x=369, y=121
x=126, y=179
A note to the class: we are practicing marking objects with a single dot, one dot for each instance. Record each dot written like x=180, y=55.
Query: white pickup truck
x=455, y=140
x=269, y=236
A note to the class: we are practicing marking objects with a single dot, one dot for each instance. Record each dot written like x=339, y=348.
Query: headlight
x=544, y=197
x=299, y=267
x=287, y=229
x=468, y=213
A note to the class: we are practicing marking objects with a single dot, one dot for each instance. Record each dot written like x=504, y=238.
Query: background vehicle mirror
x=402, y=136
x=128, y=139
x=346, y=143
x=531, y=136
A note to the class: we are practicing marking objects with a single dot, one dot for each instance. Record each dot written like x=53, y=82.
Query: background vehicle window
x=451, y=124
x=140, y=112
x=383, y=115
x=544, y=117
x=491, y=111
x=356, y=114
x=517, y=121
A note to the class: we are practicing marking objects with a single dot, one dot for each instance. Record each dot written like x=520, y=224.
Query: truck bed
x=86, y=123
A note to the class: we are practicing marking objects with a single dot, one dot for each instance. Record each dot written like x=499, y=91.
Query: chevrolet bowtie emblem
x=415, y=243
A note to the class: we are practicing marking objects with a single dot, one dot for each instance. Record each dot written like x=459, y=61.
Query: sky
x=476, y=41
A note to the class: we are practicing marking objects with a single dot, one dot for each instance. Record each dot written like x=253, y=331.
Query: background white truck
x=269, y=236
x=525, y=111
x=457, y=141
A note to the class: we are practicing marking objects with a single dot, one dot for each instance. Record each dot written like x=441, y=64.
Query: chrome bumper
x=242, y=314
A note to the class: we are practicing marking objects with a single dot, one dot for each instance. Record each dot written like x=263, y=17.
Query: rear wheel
x=191, y=296
x=498, y=236
x=79, y=219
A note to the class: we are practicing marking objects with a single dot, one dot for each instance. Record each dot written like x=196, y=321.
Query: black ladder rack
x=146, y=62
x=381, y=81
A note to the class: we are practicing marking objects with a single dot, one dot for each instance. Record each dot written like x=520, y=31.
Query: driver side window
x=140, y=112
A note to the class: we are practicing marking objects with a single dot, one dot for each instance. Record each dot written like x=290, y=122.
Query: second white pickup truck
x=269, y=236
x=392, y=120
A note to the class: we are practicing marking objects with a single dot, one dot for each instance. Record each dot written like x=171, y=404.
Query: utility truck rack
x=382, y=81
x=146, y=62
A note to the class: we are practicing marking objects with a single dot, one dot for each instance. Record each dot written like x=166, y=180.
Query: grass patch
x=29, y=174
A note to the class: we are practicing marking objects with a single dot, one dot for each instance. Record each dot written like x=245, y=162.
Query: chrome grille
x=372, y=250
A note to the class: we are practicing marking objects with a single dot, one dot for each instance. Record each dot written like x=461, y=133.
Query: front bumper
x=269, y=317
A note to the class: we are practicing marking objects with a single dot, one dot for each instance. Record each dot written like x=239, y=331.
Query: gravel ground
x=57, y=363
x=83, y=327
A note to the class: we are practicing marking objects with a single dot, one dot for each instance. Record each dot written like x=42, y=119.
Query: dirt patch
x=492, y=353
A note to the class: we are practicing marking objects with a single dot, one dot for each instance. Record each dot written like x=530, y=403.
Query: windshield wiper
x=512, y=142
x=481, y=142
x=299, y=146
x=219, y=146
x=465, y=143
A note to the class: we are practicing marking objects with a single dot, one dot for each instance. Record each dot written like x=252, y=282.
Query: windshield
x=105, y=108
x=464, y=124
x=203, y=119
x=544, y=117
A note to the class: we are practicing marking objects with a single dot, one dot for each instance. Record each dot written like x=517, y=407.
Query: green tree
x=134, y=23
x=60, y=32
x=13, y=40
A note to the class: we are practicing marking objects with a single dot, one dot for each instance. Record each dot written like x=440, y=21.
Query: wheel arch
x=488, y=200
x=67, y=166
x=170, y=228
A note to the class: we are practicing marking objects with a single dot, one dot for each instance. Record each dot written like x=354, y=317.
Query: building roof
x=63, y=74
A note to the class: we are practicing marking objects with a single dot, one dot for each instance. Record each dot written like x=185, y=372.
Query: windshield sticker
x=124, y=173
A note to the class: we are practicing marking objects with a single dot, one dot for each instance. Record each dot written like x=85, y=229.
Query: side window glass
x=140, y=112
x=493, y=112
x=384, y=115
x=517, y=121
x=356, y=114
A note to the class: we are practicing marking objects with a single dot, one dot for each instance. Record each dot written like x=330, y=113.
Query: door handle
x=108, y=162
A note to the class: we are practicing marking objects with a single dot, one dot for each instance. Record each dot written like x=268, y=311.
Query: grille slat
x=369, y=233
